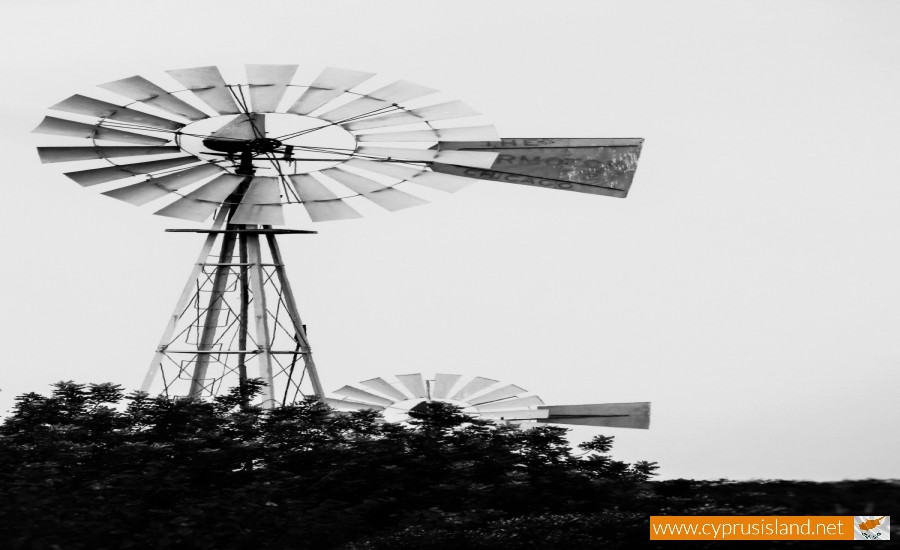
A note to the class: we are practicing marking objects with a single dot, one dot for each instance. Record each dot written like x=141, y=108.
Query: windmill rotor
x=203, y=144
x=334, y=145
x=299, y=153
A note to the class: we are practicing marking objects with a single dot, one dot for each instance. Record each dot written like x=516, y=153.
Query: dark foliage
x=79, y=472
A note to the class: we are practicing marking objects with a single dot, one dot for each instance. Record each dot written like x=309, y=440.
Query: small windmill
x=481, y=397
x=246, y=151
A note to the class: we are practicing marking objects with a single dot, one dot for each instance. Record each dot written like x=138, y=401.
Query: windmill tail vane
x=275, y=145
x=595, y=166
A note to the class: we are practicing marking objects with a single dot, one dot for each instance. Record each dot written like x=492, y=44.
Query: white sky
x=749, y=286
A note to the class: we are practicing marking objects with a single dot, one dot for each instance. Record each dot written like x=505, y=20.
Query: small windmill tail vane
x=481, y=397
x=244, y=151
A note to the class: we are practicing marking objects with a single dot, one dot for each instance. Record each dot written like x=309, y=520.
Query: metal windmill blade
x=481, y=397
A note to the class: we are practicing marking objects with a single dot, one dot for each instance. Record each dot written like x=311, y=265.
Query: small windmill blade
x=84, y=105
x=496, y=395
x=332, y=210
x=415, y=173
x=392, y=169
x=472, y=159
x=382, y=101
x=207, y=84
x=268, y=83
x=376, y=103
x=616, y=415
x=69, y=154
x=69, y=128
x=155, y=188
x=358, y=108
x=364, y=396
x=473, y=387
x=443, y=383
x=595, y=166
x=431, y=113
x=384, y=196
x=330, y=84
x=385, y=388
x=119, y=171
x=447, y=183
x=320, y=202
x=414, y=383
x=401, y=91
x=261, y=204
x=200, y=204
x=472, y=133
x=140, y=89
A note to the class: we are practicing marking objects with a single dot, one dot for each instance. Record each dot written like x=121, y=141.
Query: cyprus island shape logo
x=871, y=527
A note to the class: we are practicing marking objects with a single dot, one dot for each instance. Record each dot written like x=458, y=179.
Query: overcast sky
x=749, y=286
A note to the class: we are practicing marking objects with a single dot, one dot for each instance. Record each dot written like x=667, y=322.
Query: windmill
x=247, y=150
x=481, y=397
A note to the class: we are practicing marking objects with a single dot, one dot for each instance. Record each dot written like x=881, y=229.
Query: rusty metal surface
x=615, y=415
x=584, y=165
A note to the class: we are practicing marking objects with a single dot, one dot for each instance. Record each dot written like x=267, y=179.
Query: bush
x=80, y=471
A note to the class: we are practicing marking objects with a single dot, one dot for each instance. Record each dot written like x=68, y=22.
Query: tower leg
x=216, y=299
x=242, y=320
x=299, y=327
x=183, y=301
x=261, y=319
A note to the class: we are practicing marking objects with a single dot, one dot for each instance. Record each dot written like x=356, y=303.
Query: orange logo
x=871, y=523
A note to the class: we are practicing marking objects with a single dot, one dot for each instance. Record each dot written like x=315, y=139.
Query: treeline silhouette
x=78, y=470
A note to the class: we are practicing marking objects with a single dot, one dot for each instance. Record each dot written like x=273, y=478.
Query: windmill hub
x=265, y=145
x=297, y=144
x=234, y=146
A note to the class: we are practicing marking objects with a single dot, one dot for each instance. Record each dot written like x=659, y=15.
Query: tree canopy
x=89, y=468
x=79, y=472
